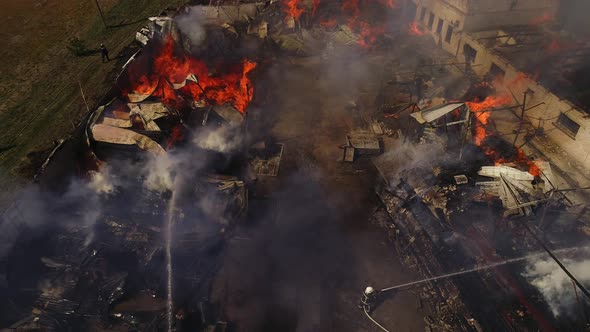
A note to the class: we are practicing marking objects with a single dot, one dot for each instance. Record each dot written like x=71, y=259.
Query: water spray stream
x=475, y=269
x=479, y=268
x=168, y=240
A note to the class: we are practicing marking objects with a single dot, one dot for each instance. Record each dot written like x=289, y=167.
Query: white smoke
x=189, y=23
x=103, y=181
x=159, y=171
x=79, y=206
x=555, y=286
x=222, y=139
x=407, y=156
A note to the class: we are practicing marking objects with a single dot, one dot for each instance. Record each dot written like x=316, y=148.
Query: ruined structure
x=515, y=45
x=434, y=168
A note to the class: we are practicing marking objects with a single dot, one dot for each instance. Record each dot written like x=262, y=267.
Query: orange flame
x=415, y=30
x=293, y=9
x=233, y=87
x=369, y=34
x=351, y=9
x=482, y=115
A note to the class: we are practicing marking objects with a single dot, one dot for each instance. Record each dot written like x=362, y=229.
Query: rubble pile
x=448, y=213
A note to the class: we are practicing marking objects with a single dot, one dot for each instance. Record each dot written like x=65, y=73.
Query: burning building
x=517, y=47
x=182, y=216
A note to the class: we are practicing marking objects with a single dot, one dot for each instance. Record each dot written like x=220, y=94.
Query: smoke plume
x=189, y=24
x=222, y=139
x=408, y=156
x=555, y=286
x=36, y=210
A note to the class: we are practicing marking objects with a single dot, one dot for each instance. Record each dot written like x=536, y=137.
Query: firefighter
x=369, y=299
x=104, y=53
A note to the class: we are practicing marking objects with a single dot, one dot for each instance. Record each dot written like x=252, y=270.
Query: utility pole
x=523, y=107
x=101, y=13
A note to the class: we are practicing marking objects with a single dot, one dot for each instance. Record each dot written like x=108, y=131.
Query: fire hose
x=373, y=320
x=482, y=268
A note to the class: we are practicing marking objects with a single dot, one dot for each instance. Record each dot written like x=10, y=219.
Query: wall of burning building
x=549, y=116
x=459, y=28
x=443, y=21
x=447, y=20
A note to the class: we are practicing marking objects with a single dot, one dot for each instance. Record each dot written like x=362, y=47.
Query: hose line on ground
x=374, y=321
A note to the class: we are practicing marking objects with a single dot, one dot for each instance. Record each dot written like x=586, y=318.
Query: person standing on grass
x=104, y=53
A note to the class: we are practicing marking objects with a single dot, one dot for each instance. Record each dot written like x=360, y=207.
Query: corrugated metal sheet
x=114, y=135
x=433, y=114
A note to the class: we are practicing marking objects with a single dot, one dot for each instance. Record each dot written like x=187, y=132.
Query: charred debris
x=455, y=193
x=166, y=109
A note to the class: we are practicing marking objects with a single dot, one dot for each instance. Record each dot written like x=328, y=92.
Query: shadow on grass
x=88, y=52
x=6, y=148
x=120, y=25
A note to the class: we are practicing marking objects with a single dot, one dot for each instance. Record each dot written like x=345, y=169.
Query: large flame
x=168, y=67
x=368, y=32
x=482, y=113
x=481, y=110
x=351, y=11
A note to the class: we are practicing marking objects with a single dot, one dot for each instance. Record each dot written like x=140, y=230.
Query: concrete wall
x=477, y=15
x=545, y=115
x=452, y=13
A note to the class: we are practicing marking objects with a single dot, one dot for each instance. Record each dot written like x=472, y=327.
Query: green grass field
x=48, y=106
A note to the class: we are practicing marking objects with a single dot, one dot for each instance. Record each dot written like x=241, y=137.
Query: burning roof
x=547, y=56
x=171, y=74
x=163, y=86
x=127, y=124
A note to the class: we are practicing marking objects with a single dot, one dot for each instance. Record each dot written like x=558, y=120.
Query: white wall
x=453, y=14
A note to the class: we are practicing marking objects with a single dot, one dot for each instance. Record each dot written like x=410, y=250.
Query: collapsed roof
x=431, y=115
x=107, y=134
x=129, y=124
x=516, y=189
